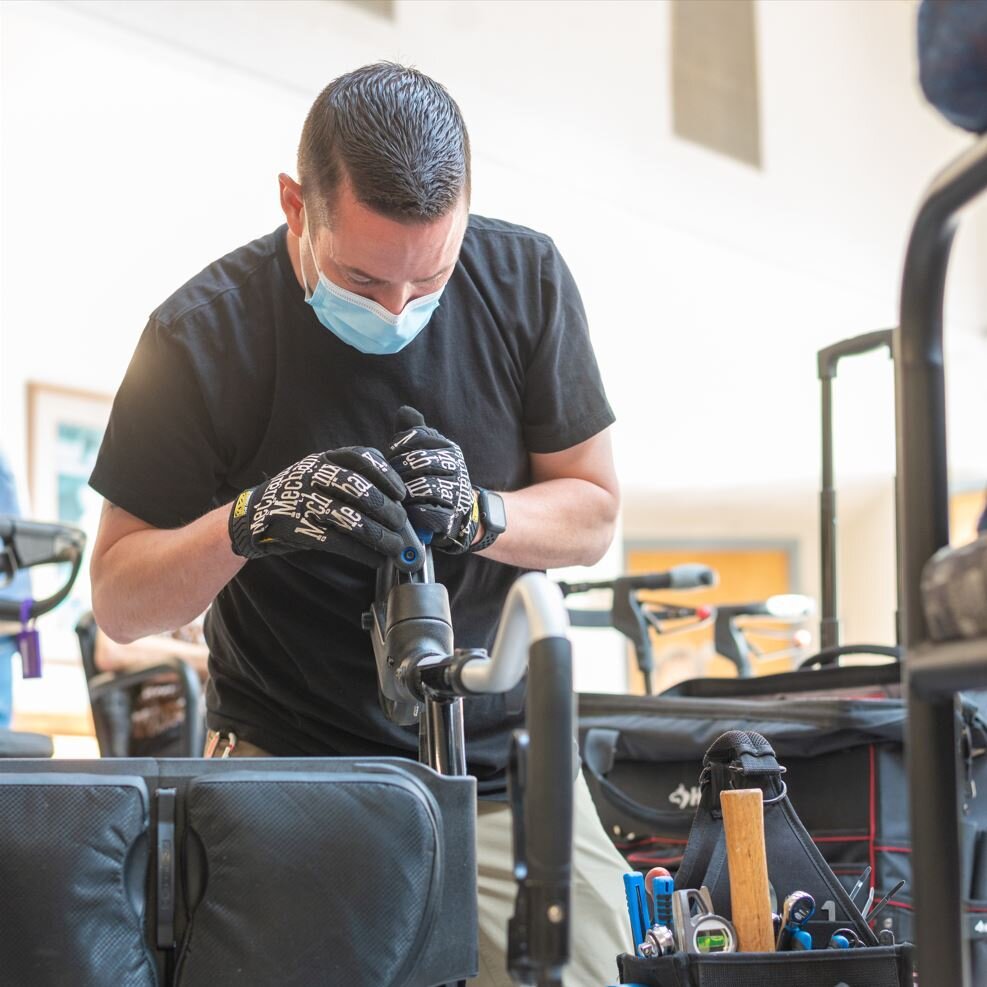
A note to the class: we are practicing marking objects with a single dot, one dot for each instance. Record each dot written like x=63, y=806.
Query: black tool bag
x=879, y=966
x=301, y=873
x=744, y=759
x=642, y=758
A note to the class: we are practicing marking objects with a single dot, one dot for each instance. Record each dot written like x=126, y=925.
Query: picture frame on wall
x=65, y=429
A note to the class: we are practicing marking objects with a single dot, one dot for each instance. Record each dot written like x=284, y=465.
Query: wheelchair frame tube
x=534, y=609
x=923, y=528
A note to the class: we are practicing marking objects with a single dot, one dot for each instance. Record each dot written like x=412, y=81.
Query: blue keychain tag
x=29, y=644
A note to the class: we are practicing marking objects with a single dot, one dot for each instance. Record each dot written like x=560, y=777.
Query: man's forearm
x=556, y=523
x=153, y=580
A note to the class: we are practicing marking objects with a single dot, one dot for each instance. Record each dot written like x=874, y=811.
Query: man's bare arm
x=568, y=515
x=148, y=580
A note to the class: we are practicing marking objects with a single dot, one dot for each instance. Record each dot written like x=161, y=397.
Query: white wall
x=141, y=140
x=710, y=284
x=867, y=587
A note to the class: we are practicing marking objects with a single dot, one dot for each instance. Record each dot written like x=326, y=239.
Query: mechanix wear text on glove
x=440, y=497
x=347, y=501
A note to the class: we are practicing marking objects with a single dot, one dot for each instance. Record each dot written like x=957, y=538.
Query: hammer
x=750, y=901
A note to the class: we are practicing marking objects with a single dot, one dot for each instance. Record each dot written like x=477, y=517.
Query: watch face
x=495, y=517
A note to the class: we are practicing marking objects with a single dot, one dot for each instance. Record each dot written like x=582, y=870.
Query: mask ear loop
x=301, y=265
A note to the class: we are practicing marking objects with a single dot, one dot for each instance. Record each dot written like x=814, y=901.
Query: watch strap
x=486, y=541
x=489, y=537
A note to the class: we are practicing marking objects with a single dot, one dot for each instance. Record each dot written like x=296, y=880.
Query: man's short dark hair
x=395, y=134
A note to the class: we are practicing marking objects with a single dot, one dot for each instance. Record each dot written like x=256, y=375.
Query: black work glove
x=440, y=497
x=347, y=501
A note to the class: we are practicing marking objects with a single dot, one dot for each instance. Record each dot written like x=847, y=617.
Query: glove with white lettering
x=346, y=501
x=440, y=497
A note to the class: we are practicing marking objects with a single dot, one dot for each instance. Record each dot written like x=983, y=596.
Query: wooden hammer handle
x=750, y=901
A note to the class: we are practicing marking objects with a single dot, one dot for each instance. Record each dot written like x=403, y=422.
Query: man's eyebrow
x=370, y=277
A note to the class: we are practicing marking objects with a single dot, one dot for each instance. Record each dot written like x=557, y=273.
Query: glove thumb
x=408, y=418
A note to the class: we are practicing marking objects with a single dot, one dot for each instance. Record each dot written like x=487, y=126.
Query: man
x=273, y=379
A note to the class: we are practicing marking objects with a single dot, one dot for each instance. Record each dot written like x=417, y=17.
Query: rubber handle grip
x=412, y=556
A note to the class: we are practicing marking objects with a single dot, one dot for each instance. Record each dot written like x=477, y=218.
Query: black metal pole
x=444, y=746
x=550, y=803
x=923, y=528
x=829, y=623
x=542, y=790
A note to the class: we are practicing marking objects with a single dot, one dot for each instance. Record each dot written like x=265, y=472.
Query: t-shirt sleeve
x=160, y=458
x=564, y=399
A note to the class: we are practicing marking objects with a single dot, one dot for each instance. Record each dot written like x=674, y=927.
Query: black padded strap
x=740, y=759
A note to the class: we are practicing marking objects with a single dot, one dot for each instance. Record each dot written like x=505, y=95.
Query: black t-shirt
x=235, y=378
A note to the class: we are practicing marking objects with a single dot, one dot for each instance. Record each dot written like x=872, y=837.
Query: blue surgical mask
x=362, y=323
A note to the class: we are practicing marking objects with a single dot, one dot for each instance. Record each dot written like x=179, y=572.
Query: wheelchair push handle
x=728, y=638
x=25, y=544
x=691, y=575
x=422, y=677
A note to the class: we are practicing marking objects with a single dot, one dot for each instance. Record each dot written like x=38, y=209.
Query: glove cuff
x=468, y=531
x=239, y=527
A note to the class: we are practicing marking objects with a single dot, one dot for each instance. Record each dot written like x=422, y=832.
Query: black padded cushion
x=16, y=744
x=954, y=592
x=302, y=880
x=73, y=864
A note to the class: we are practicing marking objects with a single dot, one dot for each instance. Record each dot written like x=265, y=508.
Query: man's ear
x=291, y=203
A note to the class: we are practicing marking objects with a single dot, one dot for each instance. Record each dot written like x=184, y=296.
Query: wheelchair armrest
x=132, y=675
x=107, y=683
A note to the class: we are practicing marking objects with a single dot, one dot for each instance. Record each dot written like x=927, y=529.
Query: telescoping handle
x=829, y=356
x=828, y=359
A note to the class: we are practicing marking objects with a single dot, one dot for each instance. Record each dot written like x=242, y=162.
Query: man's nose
x=394, y=298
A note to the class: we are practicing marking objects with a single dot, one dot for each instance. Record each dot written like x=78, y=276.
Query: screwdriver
x=871, y=915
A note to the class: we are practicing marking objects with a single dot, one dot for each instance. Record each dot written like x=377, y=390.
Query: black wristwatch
x=493, y=517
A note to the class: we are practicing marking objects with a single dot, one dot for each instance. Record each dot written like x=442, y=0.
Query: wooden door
x=746, y=574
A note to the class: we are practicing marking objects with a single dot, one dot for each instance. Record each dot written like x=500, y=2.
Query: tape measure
x=697, y=929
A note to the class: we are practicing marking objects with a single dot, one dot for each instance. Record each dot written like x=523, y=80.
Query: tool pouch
x=880, y=966
x=744, y=759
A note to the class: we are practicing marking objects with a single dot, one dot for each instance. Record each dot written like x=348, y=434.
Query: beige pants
x=600, y=928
